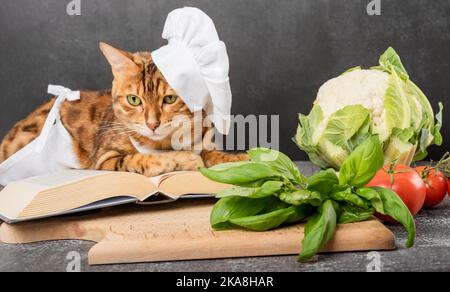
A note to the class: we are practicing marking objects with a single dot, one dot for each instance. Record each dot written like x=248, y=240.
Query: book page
x=17, y=195
x=67, y=190
x=111, y=202
x=189, y=183
x=157, y=180
x=61, y=178
x=89, y=190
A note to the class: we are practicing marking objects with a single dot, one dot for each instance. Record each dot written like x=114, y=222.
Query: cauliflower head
x=379, y=101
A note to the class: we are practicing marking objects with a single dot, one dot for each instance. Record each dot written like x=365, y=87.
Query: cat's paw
x=217, y=157
x=238, y=157
x=190, y=161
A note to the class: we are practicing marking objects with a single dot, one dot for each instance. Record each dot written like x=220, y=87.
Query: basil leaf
x=318, y=231
x=271, y=220
x=302, y=197
x=394, y=207
x=300, y=213
x=279, y=162
x=373, y=197
x=260, y=182
x=230, y=165
x=238, y=173
x=234, y=207
x=323, y=181
x=267, y=189
x=346, y=195
x=273, y=204
x=362, y=164
x=351, y=214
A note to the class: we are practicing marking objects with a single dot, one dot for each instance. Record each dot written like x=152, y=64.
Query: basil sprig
x=319, y=230
x=271, y=192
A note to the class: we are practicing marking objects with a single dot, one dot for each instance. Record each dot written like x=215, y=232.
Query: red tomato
x=436, y=184
x=405, y=182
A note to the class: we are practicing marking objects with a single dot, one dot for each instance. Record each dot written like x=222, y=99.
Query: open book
x=83, y=190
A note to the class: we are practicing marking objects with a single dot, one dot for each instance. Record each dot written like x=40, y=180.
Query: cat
x=106, y=126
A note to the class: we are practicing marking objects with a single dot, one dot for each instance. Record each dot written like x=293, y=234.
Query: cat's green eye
x=134, y=100
x=170, y=99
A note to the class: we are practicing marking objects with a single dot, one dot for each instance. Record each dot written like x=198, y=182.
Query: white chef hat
x=195, y=63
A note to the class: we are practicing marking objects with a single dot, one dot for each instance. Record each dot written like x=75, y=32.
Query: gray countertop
x=430, y=253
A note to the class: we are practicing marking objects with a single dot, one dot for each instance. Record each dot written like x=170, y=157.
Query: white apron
x=51, y=151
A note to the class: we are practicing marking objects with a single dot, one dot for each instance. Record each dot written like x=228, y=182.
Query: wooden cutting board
x=181, y=231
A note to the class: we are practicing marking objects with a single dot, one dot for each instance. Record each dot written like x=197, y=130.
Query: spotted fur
x=103, y=123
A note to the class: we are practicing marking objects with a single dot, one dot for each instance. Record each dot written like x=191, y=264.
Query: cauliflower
x=361, y=103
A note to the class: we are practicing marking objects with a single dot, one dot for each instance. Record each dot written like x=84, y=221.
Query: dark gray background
x=281, y=51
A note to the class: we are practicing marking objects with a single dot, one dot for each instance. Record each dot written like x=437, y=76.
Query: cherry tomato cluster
x=420, y=187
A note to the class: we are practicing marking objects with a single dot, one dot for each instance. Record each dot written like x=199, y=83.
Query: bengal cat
x=141, y=109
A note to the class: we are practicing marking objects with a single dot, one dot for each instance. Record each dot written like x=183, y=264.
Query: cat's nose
x=153, y=125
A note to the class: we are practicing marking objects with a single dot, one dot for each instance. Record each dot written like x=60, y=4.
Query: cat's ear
x=121, y=62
